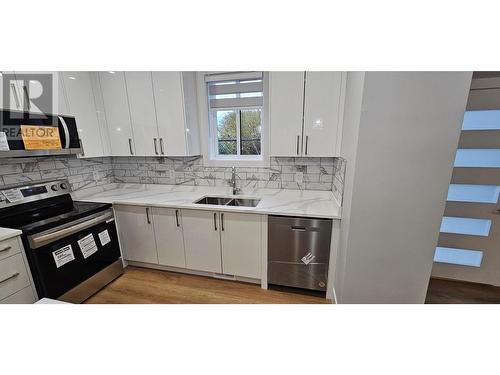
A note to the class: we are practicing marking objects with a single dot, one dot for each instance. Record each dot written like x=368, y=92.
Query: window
x=462, y=257
x=465, y=225
x=481, y=120
x=235, y=112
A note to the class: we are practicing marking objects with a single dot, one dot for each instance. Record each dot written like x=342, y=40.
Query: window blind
x=243, y=92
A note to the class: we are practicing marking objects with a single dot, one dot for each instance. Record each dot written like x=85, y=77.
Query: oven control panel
x=18, y=194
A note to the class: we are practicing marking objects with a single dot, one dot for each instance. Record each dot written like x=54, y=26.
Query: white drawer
x=13, y=276
x=23, y=296
x=9, y=247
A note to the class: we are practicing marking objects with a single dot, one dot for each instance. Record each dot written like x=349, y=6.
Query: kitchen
x=132, y=150
x=233, y=187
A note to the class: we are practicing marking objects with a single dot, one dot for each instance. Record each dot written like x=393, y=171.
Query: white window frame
x=214, y=140
x=209, y=131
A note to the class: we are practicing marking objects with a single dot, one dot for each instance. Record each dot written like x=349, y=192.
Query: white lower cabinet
x=217, y=242
x=223, y=242
x=202, y=240
x=241, y=244
x=13, y=275
x=16, y=283
x=24, y=296
x=137, y=235
x=169, y=239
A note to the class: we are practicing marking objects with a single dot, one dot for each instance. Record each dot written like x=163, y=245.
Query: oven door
x=63, y=257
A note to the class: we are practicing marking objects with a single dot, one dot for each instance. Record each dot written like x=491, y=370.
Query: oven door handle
x=39, y=240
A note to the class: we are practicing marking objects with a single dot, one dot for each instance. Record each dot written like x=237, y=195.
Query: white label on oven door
x=104, y=237
x=87, y=245
x=63, y=255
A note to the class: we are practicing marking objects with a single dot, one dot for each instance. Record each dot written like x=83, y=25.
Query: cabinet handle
x=6, y=248
x=222, y=222
x=147, y=215
x=9, y=277
x=307, y=141
x=215, y=220
x=177, y=217
x=26, y=98
x=130, y=146
x=156, y=145
x=298, y=138
x=16, y=97
x=161, y=147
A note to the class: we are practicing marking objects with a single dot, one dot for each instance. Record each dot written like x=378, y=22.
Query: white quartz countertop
x=307, y=203
x=6, y=233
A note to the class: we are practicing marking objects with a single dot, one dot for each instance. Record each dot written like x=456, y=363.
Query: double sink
x=224, y=201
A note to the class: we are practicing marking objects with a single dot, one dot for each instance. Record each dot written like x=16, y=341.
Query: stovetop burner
x=38, y=207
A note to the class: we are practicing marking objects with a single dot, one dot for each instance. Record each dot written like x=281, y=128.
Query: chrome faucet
x=233, y=181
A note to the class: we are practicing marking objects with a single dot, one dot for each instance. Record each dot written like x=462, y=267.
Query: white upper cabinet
x=114, y=95
x=19, y=91
x=306, y=113
x=176, y=112
x=142, y=113
x=323, y=109
x=81, y=105
x=13, y=101
x=286, y=99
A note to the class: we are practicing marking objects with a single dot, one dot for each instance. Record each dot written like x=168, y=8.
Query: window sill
x=247, y=162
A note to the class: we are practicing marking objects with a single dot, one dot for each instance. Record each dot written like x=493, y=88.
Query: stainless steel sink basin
x=221, y=201
x=225, y=201
x=244, y=202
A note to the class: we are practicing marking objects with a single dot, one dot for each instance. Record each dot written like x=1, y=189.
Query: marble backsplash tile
x=318, y=173
x=79, y=172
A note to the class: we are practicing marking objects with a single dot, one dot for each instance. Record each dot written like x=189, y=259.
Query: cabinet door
x=189, y=90
x=322, y=113
x=169, y=99
x=57, y=103
x=114, y=95
x=286, y=94
x=241, y=244
x=81, y=104
x=142, y=113
x=13, y=99
x=169, y=239
x=202, y=240
x=137, y=236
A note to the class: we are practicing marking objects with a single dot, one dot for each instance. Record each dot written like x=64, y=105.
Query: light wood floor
x=140, y=285
x=451, y=291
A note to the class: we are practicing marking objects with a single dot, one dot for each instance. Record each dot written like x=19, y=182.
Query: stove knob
x=64, y=185
x=54, y=188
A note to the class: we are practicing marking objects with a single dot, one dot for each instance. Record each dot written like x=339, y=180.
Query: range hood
x=11, y=123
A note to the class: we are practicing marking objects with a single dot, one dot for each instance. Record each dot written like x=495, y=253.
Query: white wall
x=401, y=131
x=352, y=112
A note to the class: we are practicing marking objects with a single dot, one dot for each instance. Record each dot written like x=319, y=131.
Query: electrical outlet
x=299, y=177
x=96, y=175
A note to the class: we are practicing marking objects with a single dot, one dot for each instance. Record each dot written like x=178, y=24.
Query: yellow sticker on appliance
x=40, y=137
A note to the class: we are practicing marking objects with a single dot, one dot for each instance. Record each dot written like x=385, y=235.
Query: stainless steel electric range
x=72, y=247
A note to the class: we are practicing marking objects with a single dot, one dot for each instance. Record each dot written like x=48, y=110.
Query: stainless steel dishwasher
x=299, y=252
